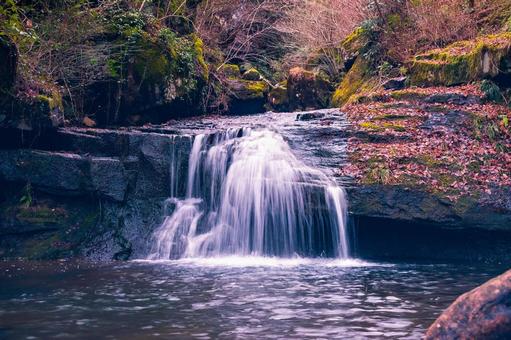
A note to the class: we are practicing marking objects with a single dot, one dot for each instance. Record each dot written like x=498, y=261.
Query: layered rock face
x=100, y=195
x=483, y=313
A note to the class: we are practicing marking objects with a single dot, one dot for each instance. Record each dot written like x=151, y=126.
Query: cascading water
x=248, y=194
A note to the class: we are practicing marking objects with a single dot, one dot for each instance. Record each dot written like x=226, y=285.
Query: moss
x=53, y=101
x=247, y=89
x=375, y=127
x=371, y=126
x=251, y=74
x=356, y=82
x=230, y=70
x=198, y=45
x=461, y=62
x=356, y=40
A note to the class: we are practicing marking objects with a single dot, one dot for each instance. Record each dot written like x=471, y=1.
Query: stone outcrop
x=303, y=90
x=100, y=195
x=483, y=313
x=463, y=62
x=403, y=204
x=247, y=90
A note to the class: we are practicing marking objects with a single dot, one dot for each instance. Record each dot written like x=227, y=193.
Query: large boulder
x=463, y=62
x=483, y=313
x=303, y=90
x=307, y=89
x=247, y=91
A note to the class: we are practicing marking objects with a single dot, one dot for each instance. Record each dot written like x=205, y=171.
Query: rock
x=355, y=83
x=310, y=116
x=402, y=204
x=8, y=63
x=108, y=177
x=483, y=313
x=395, y=83
x=452, y=98
x=463, y=62
x=247, y=96
x=230, y=71
x=307, y=90
x=251, y=74
x=161, y=75
x=278, y=99
x=64, y=173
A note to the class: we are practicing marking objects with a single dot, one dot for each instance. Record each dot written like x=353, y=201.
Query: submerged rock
x=483, y=313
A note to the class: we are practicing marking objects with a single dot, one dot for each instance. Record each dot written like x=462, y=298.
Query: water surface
x=228, y=298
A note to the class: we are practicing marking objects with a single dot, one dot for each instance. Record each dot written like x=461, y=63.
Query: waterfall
x=248, y=194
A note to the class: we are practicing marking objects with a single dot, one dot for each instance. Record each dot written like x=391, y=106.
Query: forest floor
x=446, y=140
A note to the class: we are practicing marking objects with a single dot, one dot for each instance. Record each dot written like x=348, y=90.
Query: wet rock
x=399, y=203
x=451, y=120
x=483, y=313
x=64, y=173
x=310, y=116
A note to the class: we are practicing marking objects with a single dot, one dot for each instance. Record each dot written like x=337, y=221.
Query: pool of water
x=229, y=298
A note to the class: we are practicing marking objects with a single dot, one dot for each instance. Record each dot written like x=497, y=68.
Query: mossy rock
x=154, y=77
x=230, y=70
x=463, y=62
x=308, y=90
x=251, y=74
x=355, y=83
x=356, y=41
x=247, y=89
x=278, y=98
x=246, y=96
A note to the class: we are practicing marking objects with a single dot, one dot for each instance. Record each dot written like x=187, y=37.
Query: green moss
x=53, y=101
x=251, y=74
x=356, y=40
x=248, y=90
x=371, y=126
x=230, y=70
x=198, y=45
x=375, y=127
x=356, y=82
x=461, y=62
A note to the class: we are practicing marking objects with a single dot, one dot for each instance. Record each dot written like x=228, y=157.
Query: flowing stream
x=252, y=245
x=248, y=194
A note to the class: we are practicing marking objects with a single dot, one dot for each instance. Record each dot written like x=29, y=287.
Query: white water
x=248, y=195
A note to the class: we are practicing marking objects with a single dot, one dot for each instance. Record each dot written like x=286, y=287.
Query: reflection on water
x=245, y=298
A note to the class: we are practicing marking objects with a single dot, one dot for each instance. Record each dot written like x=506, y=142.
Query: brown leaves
x=449, y=148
